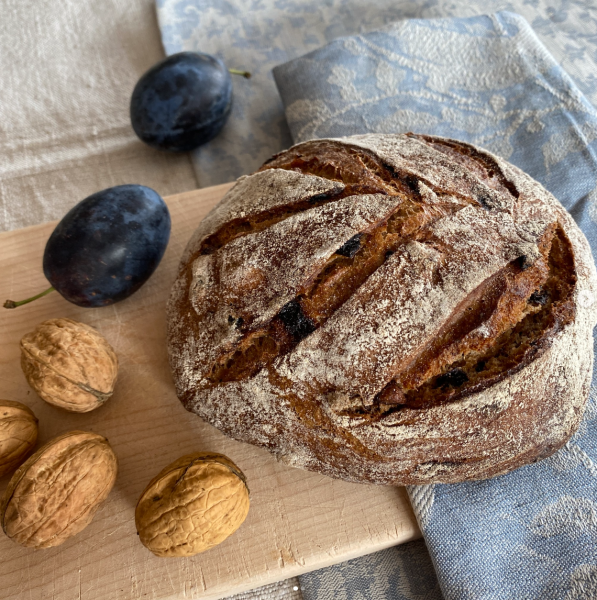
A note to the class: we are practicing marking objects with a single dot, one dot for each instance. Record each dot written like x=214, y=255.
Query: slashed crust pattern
x=392, y=309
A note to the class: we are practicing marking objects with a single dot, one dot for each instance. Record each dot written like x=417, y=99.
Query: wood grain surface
x=298, y=521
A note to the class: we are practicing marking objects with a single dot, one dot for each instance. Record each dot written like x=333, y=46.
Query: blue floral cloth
x=485, y=79
x=490, y=81
x=403, y=572
x=257, y=35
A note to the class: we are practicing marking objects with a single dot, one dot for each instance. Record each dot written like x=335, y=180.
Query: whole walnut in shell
x=57, y=491
x=192, y=505
x=69, y=364
x=18, y=434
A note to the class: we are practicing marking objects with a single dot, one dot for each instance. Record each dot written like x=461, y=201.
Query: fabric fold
x=487, y=80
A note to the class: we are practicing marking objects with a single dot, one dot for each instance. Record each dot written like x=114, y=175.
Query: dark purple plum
x=108, y=245
x=182, y=102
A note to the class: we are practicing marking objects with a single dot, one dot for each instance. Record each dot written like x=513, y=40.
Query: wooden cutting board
x=298, y=521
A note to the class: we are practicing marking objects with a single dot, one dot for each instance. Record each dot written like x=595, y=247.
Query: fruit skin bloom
x=107, y=246
x=182, y=102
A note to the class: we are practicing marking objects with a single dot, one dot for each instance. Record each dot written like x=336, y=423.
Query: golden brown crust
x=398, y=327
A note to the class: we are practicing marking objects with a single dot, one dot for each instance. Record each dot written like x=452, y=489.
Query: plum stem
x=13, y=304
x=245, y=74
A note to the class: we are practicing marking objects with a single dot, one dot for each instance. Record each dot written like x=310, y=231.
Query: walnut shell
x=69, y=364
x=18, y=434
x=56, y=492
x=192, y=505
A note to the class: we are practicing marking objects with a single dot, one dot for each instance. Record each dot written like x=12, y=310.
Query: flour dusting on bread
x=393, y=309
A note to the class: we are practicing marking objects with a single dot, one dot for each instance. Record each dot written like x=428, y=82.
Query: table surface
x=298, y=521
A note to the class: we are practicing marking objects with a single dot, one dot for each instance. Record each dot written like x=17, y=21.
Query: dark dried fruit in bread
x=387, y=309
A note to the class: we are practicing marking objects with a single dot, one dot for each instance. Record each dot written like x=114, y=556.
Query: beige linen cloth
x=67, y=70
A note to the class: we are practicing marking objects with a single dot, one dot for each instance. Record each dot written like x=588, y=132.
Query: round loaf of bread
x=392, y=309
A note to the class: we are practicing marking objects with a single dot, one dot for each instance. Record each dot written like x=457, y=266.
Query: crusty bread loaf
x=389, y=309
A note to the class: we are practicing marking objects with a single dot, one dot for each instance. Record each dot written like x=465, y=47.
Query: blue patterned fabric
x=488, y=80
x=404, y=572
x=259, y=34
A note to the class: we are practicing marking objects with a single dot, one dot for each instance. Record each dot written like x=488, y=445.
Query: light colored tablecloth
x=67, y=73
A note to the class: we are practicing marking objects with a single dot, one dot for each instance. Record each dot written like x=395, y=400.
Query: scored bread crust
x=392, y=309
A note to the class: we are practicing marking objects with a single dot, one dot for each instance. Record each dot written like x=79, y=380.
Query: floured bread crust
x=392, y=309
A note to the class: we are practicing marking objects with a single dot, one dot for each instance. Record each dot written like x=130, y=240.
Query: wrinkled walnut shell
x=56, y=492
x=18, y=434
x=192, y=505
x=69, y=364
